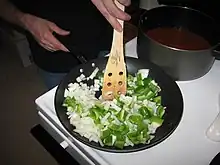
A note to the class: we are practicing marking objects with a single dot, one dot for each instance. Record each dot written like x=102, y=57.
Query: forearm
x=10, y=13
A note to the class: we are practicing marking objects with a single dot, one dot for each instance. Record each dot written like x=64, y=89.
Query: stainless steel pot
x=179, y=64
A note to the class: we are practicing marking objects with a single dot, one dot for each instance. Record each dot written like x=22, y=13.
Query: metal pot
x=179, y=64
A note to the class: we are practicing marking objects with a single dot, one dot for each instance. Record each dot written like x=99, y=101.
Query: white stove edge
x=94, y=155
x=66, y=142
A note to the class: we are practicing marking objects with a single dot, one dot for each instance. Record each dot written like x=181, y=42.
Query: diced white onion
x=94, y=73
x=144, y=73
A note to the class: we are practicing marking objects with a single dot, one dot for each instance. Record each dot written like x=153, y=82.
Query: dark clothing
x=90, y=33
x=53, y=79
x=210, y=7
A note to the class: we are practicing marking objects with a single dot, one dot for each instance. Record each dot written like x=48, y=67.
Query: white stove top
x=187, y=145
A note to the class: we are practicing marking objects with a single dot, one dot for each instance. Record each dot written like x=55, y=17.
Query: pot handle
x=216, y=52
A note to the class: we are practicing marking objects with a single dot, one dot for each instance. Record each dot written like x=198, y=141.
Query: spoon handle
x=115, y=73
x=117, y=41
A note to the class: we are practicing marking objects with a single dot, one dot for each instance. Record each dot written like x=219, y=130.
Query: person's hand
x=42, y=30
x=111, y=12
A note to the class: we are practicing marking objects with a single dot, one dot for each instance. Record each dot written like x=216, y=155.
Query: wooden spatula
x=115, y=74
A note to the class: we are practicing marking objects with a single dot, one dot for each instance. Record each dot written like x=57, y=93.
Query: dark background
x=210, y=7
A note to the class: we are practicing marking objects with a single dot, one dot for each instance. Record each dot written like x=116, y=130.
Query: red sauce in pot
x=178, y=38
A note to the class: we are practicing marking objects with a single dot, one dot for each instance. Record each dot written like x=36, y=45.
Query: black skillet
x=171, y=98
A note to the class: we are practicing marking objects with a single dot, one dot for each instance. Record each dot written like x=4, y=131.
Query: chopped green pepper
x=125, y=130
x=141, y=91
x=147, y=81
x=141, y=126
x=146, y=95
x=120, y=141
x=114, y=127
x=157, y=99
x=145, y=112
x=119, y=103
x=135, y=119
x=138, y=89
x=79, y=108
x=156, y=121
x=150, y=95
x=70, y=102
x=99, y=105
x=108, y=141
x=130, y=78
x=99, y=75
x=95, y=118
x=122, y=115
x=95, y=113
x=143, y=137
x=105, y=133
x=154, y=87
x=142, y=97
x=130, y=88
x=139, y=81
x=110, y=119
x=133, y=137
x=112, y=110
x=150, y=110
x=160, y=111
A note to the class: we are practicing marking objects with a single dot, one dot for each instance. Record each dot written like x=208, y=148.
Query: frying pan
x=170, y=92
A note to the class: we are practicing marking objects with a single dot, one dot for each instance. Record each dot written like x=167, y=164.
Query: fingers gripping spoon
x=115, y=73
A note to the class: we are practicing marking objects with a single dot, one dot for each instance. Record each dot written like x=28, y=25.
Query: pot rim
x=173, y=48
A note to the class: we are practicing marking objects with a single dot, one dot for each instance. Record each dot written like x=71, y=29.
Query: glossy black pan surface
x=171, y=98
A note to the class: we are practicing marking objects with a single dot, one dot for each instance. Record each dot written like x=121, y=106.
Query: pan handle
x=76, y=54
x=73, y=50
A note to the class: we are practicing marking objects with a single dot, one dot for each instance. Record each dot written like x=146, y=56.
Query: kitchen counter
x=188, y=144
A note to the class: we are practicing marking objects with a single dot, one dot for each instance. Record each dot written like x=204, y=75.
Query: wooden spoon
x=115, y=82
